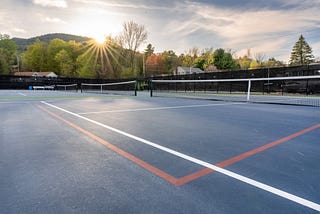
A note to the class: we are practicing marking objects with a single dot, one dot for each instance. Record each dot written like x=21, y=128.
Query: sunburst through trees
x=102, y=57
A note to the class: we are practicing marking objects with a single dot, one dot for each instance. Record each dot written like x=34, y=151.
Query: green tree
x=149, y=51
x=244, y=62
x=301, y=53
x=254, y=64
x=205, y=59
x=8, y=50
x=224, y=60
x=272, y=62
x=86, y=66
x=54, y=47
x=65, y=64
x=170, y=61
x=115, y=58
x=200, y=63
x=36, y=56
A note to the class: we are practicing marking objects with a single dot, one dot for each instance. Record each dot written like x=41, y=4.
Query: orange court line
x=121, y=152
x=265, y=147
x=192, y=176
x=242, y=156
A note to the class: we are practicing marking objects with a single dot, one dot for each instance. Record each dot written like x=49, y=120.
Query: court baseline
x=236, y=176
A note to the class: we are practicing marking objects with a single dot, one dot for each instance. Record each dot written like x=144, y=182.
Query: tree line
x=119, y=57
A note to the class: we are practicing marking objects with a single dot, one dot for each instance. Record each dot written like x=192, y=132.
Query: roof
x=189, y=70
x=34, y=74
x=26, y=74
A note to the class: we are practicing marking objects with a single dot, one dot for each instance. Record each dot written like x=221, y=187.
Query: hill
x=23, y=43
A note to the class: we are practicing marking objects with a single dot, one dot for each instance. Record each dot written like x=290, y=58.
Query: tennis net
x=70, y=87
x=116, y=88
x=297, y=90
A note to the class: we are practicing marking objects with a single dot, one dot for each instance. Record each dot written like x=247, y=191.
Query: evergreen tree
x=148, y=51
x=223, y=60
x=301, y=53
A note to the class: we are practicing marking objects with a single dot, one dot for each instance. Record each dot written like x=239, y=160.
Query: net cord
x=111, y=84
x=233, y=80
x=66, y=86
x=239, y=80
x=107, y=84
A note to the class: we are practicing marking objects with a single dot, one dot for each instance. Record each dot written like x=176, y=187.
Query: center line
x=236, y=176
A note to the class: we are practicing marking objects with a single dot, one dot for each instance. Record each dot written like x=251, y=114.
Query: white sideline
x=239, y=177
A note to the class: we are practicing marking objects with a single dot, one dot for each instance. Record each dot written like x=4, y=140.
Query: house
x=35, y=74
x=211, y=69
x=187, y=70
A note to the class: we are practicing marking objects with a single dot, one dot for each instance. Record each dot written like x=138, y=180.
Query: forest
x=119, y=57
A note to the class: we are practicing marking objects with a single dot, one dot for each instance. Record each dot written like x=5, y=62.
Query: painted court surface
x=75, y=153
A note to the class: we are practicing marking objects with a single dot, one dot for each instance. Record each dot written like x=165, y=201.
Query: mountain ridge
x=23, y=43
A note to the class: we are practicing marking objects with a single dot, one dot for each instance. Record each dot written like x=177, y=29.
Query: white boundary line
x=22, y=94
x=157, y=108
x=239, y=177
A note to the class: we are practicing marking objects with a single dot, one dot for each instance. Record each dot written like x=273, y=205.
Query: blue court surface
x=66, y=152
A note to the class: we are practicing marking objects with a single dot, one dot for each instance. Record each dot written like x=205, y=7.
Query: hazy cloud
x=19, y=30
x=54, y=20
x=267, y=30
x=51, y=3
x=271, y=26
x=123, y=4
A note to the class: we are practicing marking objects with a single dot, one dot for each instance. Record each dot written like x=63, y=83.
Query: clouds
x=270, y=26
x=53, y=20
x=268, y=30
x=51, y=3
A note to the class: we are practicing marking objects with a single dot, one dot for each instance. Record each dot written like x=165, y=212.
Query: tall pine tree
x=301, y=53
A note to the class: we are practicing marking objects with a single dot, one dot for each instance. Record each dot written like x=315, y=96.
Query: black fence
x=307, y=70
x=22, y=82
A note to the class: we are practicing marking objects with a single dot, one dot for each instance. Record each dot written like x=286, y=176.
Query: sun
x=100, y=39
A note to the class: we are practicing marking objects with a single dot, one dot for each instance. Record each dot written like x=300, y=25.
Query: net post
x=135, y=88
x=249, y=89
x=151, y=88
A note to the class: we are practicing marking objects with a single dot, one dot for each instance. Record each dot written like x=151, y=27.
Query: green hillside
x=23, y=43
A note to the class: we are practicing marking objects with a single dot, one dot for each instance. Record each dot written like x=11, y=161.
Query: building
x=35, y=74
x=187, y=70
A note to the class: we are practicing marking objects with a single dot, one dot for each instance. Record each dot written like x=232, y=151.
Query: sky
x=265, y=27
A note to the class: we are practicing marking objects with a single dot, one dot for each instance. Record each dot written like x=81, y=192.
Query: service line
x=229, y=173
x=22, y=94
x=158, y=108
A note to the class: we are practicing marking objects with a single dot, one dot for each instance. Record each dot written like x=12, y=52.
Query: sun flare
x=100, y=39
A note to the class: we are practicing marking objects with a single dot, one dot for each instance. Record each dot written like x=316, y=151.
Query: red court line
x=265, y=147
x=121, y=152
x=242, y=156
x=192, y=176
